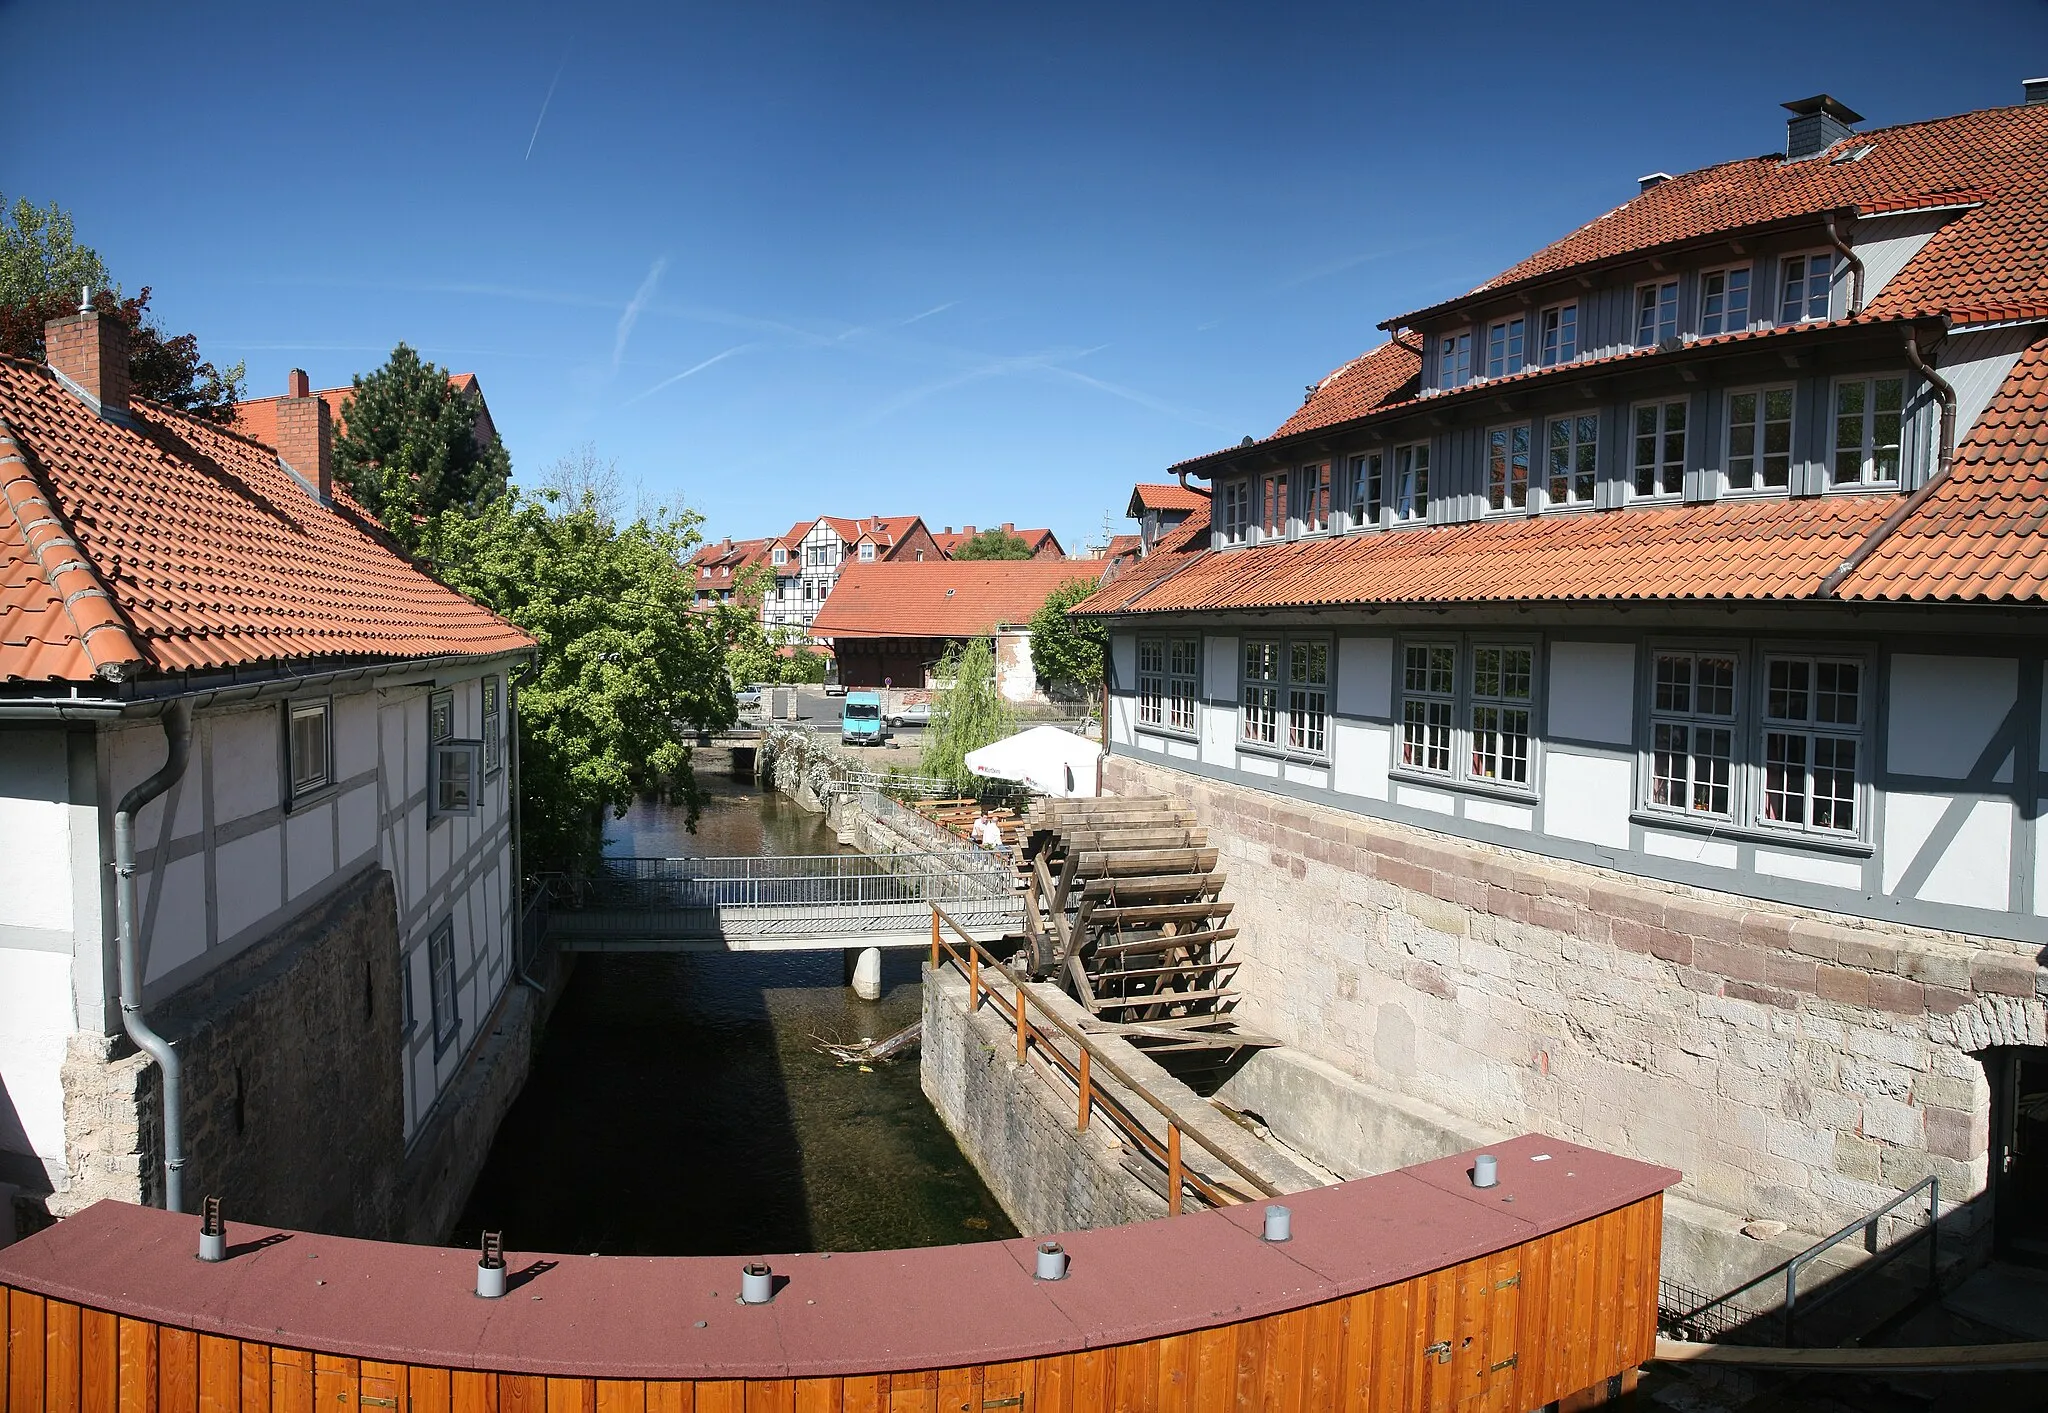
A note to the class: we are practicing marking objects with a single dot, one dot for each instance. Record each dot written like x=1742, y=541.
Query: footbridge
x=784, y=903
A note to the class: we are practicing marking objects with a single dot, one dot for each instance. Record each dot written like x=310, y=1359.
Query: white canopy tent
x=1049, y=760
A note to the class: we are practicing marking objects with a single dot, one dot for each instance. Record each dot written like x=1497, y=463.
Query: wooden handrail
x=971, y=965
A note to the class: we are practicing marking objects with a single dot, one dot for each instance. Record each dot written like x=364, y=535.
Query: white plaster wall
x=1123, y=658
x=35, y=865
x=1219, y=711
x=1944, y=712
x=1593, y=693
x=1365, y=676
x=177, y=933
x=1972, y=870
x=1587, y=797
x=246, y=747
x=1361, y=752
x=248, y=880
x=35, y=1020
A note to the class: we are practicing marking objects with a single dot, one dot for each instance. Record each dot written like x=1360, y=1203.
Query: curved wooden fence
x=1412, y=1290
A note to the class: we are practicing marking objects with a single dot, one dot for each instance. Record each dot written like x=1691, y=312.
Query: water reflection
x=678, y=1107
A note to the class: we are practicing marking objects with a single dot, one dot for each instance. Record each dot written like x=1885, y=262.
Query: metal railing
x=1726, y=1314
x=534, y=953
x=922, y=787
x=1017, y=1006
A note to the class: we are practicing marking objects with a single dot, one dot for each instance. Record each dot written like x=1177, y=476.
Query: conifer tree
x=411, y=450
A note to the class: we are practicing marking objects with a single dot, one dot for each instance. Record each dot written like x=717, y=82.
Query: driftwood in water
x=867, y=1051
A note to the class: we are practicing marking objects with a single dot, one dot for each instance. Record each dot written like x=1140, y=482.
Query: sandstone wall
x=1795, y=1065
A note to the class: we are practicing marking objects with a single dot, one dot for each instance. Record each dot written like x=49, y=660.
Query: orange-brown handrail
x=1088, y=1095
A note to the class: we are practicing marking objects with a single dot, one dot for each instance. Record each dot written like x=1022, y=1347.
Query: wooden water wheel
x=1123, y=906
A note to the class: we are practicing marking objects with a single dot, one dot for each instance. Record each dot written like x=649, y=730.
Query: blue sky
x=972, y=262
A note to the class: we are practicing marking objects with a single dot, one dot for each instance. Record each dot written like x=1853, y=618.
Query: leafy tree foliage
x=42, y=270
x=411, y=451
x=756, y=653
x=1067, y=653
x=966, y=716
x=627, y=669
x=993, y=544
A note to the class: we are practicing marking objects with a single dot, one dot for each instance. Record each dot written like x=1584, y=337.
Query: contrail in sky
x=642, y=297
x=544, y=108
x=689, y=372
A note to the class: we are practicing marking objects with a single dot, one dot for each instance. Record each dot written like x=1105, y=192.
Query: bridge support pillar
x=866, y=966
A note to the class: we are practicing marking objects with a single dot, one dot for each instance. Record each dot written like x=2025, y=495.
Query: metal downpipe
x=1856, y=272
x=177, y=723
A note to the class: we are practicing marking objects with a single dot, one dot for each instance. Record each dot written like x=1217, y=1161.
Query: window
x=440, y=716
x=1273, y=505
x=1261, y=694
x=1760, y=439
x=441, y=983
x=1454, y=360
x=1428, y=687
x=309, y=742
x=867, y=553
x=1574, y=459
x=1235, y=513
x=1308, y=696
x=494, y=735
x=1813, y=721
x=1368, y=484
x=1507, y=468
x=1502, y=689
x=781, y=555
x=1151, y=681
x=1807, y=285
x=1183, y=673
x=1692, y=733
x=1560, y=325
x=1869, y=416
x=1659, y=448
x=1724, y=300
x=1504, y=349
x=1312, y=486
x=1410, y=498
x=1656, y=313
x=454, y=768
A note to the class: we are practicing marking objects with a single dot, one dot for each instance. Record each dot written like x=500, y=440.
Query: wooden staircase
x=1123, y=906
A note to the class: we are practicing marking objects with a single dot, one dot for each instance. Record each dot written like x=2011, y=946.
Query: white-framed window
x=1759, y=439
x=1870, y=415
x=1273, y=505
x=1308, y=696
x=1367, y=481
x=1503, y=687
x=867, y=552
x=1507, y=467
x=1259, y=698
x=1657, y=448
x=1506, y=342
x=309, y=745
x=1312, y=497
x=494, y=725
x=1656, y=312
x=1724, y=300
x=1454, y=360
x=1234, y=511
x=441, y=981
x=1429, y=688
x=1805, y=287
x=1692, y=733
x=454, y=768
x=1408, y=497
x=1812, y=739
x=1559, y=327
x=1183, y=682
x=1151, y=681
x=781, y=555
x=1573, y=458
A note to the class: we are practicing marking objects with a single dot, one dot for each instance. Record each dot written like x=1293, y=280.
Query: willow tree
x=966, y=716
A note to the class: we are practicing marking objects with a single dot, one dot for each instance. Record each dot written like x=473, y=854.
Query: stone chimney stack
x=305, y=435
x=91, y=354
x=1816, y=124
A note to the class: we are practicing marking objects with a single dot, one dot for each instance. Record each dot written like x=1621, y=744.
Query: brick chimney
x=1008, y=528
x=91, y=354
x=305, y=435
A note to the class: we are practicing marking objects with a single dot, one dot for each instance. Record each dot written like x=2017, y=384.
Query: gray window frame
x=440, y=947
x=1443, y=368
x=1282, y=687
x=1632, y=436
x=1576, y=446
x=1528, y=505
x=323, y=707
x=1463, y=700
x=1665, y=324
x=493, y=715
x=1727, y=486
x=1234, y=497
x=1727, y=272
x=1542, y=334
x=1412, y=509
x=1512, y=359
x=1649, y=717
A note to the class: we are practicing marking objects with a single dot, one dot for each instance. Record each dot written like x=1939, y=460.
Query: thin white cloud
x=689, y=372
x=635, y=306
x=544, y=108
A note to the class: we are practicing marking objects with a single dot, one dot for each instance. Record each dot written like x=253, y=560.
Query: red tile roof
x=1382, y=378
x=1993, y=258
x=945, y=598
x=1151, y=495
x=211, y=553
x=1037, y=541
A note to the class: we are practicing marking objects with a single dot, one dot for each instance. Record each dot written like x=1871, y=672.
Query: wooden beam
x=1162, y=944
x=1154, y=885
x=1125, y=863
x=1159, y=913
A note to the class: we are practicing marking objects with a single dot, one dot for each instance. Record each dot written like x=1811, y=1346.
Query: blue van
x=860, y=722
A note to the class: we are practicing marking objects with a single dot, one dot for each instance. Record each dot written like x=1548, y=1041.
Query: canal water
x=679, y=1105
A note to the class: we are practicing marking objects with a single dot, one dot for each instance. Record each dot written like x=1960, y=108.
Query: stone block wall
x=1795, y=1065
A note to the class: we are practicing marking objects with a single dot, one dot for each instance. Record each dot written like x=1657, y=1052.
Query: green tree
x=1067, y=653
x=756, y=653
x=966, y=716
x=43, y=268
x=411, y=450
x=994, y=544
x=627, y=669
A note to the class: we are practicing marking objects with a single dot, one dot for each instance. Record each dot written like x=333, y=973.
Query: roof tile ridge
x=104, y=634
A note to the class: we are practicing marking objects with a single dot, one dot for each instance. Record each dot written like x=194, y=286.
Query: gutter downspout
x=1945, y=455
x=177, y=724
x=1856, y=272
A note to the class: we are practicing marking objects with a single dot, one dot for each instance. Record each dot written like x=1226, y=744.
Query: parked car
x=915, y=714
x=747, y=698
x=833, y=686
x=860, y=723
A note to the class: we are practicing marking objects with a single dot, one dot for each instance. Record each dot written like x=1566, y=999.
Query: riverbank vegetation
x=1067, y=653
x=966, y=715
